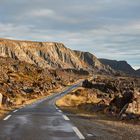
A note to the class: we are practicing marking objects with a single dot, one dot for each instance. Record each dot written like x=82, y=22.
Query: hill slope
x=49, y=55
x=138, y=71
x=120, y=66
x=22, y=83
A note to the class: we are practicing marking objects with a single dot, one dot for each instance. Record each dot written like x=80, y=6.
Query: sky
x=107, y=28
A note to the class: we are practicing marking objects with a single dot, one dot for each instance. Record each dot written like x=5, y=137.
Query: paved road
x=39, y=121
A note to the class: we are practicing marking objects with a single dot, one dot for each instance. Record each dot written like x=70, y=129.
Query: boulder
x=1, y=96
x=87, y=84
x=6, y=101
x=120, y=102
x=28, y=90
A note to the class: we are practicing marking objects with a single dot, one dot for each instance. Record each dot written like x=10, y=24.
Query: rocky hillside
x=21, y=81
x=138, y=71
x=122, y=66
x=89, y=59
x=50, y=55
x=114, y=96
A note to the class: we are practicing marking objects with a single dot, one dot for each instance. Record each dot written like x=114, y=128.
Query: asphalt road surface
x=41, y=120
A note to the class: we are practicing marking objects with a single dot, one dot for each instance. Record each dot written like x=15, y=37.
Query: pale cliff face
x=48, y=55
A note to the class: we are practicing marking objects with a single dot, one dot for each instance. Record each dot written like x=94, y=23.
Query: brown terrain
x=119, y=97
x=22, y=83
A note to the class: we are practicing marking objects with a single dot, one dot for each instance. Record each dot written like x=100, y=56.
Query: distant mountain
x=50, y=55
x=122, y=66
x=138, y=71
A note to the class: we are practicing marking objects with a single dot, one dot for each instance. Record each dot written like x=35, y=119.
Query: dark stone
x=28, y=90
x=87, y=84
x=120, y=102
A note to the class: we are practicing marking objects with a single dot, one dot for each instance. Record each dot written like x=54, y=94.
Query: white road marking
x=6, y=118
x=60, y=111
x=15, y=111
x=66, y=118
x=78, y=133
x=89, y=135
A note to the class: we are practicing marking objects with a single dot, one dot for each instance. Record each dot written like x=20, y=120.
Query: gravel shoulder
x=100, y=127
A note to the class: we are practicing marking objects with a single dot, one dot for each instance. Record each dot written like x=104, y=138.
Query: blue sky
x=107, y=28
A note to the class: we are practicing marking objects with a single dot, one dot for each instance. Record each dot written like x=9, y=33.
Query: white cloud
x=107, y=28
x=42, y=13
x=136, y=67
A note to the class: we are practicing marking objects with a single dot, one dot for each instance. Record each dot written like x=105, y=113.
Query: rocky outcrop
x=119, y=97
x=90, y=60
x=92, y=63
x=1, y=96
x=50, y=55
x=122, y=66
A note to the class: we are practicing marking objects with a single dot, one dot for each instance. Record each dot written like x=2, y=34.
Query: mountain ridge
x=54, y=55
x=50, y=55
x=138, y=71
x=122, y=66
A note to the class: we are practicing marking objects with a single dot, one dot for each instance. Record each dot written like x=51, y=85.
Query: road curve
x=41, y=120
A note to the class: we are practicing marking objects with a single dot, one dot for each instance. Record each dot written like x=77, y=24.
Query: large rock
x=134, y=107
x=87, y=84
x=28, y=90
x=1, y=96
x=6, y=101
x=120, y=102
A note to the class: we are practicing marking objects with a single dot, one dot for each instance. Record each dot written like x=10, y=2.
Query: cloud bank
x=107, y=28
